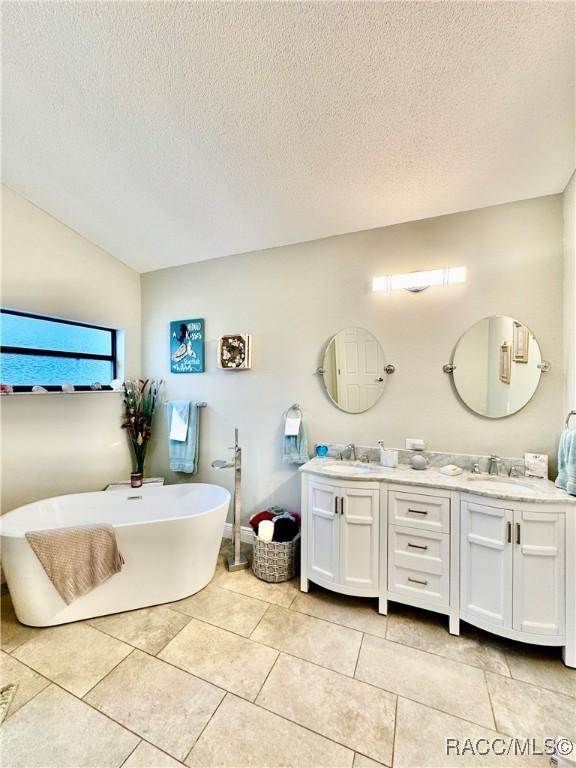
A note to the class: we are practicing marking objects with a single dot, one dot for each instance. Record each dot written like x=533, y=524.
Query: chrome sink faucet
x=349, y=452
x=494, y=465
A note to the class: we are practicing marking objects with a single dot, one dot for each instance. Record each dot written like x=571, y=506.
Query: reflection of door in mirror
x=355, y=365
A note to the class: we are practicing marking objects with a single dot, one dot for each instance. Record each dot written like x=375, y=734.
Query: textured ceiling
x=173, y=132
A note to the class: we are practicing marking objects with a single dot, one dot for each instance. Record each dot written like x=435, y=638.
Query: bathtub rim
x=200, y=513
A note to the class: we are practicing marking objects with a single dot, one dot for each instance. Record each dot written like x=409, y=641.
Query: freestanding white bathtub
x=168, y=535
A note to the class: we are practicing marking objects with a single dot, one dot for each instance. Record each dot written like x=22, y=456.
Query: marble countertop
x=515, y=489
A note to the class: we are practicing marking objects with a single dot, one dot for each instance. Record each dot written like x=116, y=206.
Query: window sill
x=58, y=394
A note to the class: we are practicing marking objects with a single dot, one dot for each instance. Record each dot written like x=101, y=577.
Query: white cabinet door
x=486, y=563
x=323, y=532
x=359, y=526
x=539, y=572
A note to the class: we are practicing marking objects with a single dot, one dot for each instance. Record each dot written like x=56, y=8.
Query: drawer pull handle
x=509, y=533
x=417, y=546
x=417, y=511
x=418, y=581
x=517, y=533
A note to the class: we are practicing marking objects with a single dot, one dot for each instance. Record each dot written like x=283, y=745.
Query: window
x=49, y=352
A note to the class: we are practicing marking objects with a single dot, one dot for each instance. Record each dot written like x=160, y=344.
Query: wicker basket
x=276, y=561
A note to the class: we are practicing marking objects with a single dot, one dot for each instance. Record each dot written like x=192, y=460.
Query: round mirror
x=354, y=370
x=497, y=366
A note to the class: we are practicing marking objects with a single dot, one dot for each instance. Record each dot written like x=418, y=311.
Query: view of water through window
x=21, y=331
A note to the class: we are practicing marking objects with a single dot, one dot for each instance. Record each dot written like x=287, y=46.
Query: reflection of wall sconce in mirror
x=505, y=362
x=419, y=281
x=521, y=340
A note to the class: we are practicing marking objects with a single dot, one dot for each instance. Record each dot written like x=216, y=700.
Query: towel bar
x=200, y=405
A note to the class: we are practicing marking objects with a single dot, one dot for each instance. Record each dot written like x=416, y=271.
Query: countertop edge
x=380, y=475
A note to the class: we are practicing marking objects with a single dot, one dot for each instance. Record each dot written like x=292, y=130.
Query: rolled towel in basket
x=266, y=530
x=257, y=518
x=285, y=529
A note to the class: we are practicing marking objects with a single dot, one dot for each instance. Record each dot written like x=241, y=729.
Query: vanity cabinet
x=512, y=569
x=506, y=566
x=340, y=535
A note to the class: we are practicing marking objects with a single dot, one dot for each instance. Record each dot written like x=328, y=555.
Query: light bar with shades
x=419, y=281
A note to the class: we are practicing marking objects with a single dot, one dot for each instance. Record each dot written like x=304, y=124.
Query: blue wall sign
x=187, y=346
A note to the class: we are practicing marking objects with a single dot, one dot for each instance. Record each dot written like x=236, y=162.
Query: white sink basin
x=348, y=469
x=501, y=484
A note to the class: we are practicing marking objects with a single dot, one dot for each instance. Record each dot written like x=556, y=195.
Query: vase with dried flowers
x=140, y=399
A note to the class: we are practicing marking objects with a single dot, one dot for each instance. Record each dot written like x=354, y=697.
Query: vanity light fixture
x=419, y=281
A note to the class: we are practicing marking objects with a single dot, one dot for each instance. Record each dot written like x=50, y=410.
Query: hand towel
x=295, y=447
x=77, y=560
x=179, y=421
x=183, y=455
x=567, y=462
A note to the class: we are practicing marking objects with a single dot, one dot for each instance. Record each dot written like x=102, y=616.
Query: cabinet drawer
x=419, y=510
x=433, y=588
x=425, y=551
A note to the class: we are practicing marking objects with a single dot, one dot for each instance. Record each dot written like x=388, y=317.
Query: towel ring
x=294, y=407
x=572, y=413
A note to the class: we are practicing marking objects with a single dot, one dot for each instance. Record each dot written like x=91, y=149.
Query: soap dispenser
x=388, y=457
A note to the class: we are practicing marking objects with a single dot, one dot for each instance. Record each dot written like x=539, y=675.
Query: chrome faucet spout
x=219, y=464
x=349, y=452
x=494, y=465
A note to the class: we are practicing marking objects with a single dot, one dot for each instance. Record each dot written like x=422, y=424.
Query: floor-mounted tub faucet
x=236, y=561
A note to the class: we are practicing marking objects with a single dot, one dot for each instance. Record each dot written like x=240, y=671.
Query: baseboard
x=246, y=533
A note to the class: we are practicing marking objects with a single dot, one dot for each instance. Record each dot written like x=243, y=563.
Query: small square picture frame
x=520, y=343
x=235, y=352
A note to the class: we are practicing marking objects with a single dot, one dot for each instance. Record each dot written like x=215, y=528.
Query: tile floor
x=253, y=674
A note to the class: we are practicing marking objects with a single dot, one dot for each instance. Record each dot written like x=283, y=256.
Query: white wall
x=292, y=299
x=570, y=294
x=62, y=444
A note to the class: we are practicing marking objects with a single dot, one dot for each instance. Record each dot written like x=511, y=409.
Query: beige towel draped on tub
x=77, y=560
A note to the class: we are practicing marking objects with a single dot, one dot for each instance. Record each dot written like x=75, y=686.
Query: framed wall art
x=187, y=346
x=505, y=363
x=520, y=341
x=235, y=352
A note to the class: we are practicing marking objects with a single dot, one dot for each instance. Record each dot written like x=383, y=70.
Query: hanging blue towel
x=183, y=454
x=295, y=447
x=567, y=462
